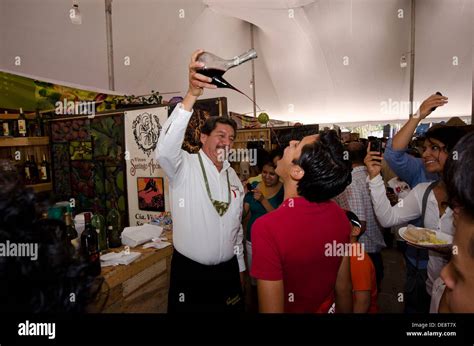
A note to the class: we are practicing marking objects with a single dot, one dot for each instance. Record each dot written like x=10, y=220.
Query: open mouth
x=429, y=162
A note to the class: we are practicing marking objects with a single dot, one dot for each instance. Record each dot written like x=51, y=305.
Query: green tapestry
x=29, y=94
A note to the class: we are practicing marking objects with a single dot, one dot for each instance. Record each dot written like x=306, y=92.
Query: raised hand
x=373, y=161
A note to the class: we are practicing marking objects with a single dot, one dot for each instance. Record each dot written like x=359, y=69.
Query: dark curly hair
x=459, y=174
x=327, y=173
x=56, y=280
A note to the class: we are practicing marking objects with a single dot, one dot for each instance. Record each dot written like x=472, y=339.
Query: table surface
x=115, y=275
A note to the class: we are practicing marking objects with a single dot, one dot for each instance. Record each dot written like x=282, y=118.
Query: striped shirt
x=357, y=195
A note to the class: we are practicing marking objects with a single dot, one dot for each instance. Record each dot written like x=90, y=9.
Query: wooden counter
x=141, y=286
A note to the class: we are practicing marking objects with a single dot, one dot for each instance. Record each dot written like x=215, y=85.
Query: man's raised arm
x=169, y=154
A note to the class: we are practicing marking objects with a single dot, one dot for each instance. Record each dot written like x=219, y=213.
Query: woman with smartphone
x=428, y=200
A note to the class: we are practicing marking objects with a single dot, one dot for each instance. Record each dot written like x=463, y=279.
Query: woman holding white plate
x=436, y=215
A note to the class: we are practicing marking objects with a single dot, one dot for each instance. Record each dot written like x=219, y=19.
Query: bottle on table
x=90, y=246
x=21, y=124
x=114, y=227
x=98, y=222
x=71, y=233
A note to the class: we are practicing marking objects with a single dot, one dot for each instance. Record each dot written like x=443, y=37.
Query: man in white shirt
x=206, y=203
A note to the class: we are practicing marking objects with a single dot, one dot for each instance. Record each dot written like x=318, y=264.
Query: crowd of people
x=304, y=234
x=283, y=229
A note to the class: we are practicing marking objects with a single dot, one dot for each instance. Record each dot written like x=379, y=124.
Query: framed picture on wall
x=151, y=196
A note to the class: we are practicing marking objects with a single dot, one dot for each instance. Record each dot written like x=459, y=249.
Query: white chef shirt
x=199, y=233
x=409, y=209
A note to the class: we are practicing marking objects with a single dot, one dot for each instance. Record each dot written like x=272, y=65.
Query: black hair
x=278, y=152
x=53, y=282
x=448, y=135
x=459, y=179
x=268, y=162
x=212, y=122
x=357, y=153
x=327, y=174
x=459, y=174
x=355, y=222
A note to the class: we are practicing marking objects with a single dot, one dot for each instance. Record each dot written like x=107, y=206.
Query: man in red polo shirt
x=295, y=247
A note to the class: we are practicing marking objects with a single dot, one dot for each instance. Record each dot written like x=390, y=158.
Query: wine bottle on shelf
x=21, y=124
x=34, y=172
x=33, y=126
x=114, y=227
x=98, y=222
x=6, y=128
x=14, y=129
x=44, y=171
x=90, y=246
x=27, y=171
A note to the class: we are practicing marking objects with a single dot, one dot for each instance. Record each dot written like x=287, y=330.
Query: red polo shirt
x=291, y=243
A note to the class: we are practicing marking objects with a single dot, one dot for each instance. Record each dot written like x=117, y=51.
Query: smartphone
x=376, y=145
x=437, y=93
x=249, y=187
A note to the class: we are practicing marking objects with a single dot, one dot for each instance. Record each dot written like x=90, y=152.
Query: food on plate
x=422, y=236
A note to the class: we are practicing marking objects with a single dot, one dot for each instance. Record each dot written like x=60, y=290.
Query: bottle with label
x=98, y=222
x=21, y=124
x=90, y=246
x=44, y=171
x=6, y=128
x=27, y=171
x=114, y=227
x=71, y=232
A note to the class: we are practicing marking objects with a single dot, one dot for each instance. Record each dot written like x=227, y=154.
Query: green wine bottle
x=114, y=227
x=98, y=222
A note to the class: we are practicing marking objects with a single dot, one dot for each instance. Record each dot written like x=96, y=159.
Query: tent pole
x=253, y=74
x=110, y=44
x=412, y=55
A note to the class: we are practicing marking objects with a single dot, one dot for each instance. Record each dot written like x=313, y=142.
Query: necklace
x=221, y=207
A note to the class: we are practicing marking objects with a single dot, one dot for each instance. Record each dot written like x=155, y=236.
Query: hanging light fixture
x=75, y=14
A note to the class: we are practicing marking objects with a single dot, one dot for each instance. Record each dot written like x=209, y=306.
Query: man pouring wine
x=206, y=204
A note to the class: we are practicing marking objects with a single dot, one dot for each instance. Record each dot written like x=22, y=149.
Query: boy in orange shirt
x=364, y=282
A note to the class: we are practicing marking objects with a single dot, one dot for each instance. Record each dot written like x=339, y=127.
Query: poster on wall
x=203, y=109
x=147, y=187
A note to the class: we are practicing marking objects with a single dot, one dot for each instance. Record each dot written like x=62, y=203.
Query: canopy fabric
x=319, y=61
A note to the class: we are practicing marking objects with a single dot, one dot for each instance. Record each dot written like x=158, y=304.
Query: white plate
x=442, y=236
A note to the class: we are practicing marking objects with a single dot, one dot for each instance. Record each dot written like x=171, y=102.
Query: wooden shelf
x=11, y=116
x=41, y=187
x=23, y=141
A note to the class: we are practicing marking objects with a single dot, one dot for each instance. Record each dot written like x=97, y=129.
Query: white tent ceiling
x=320, y=61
